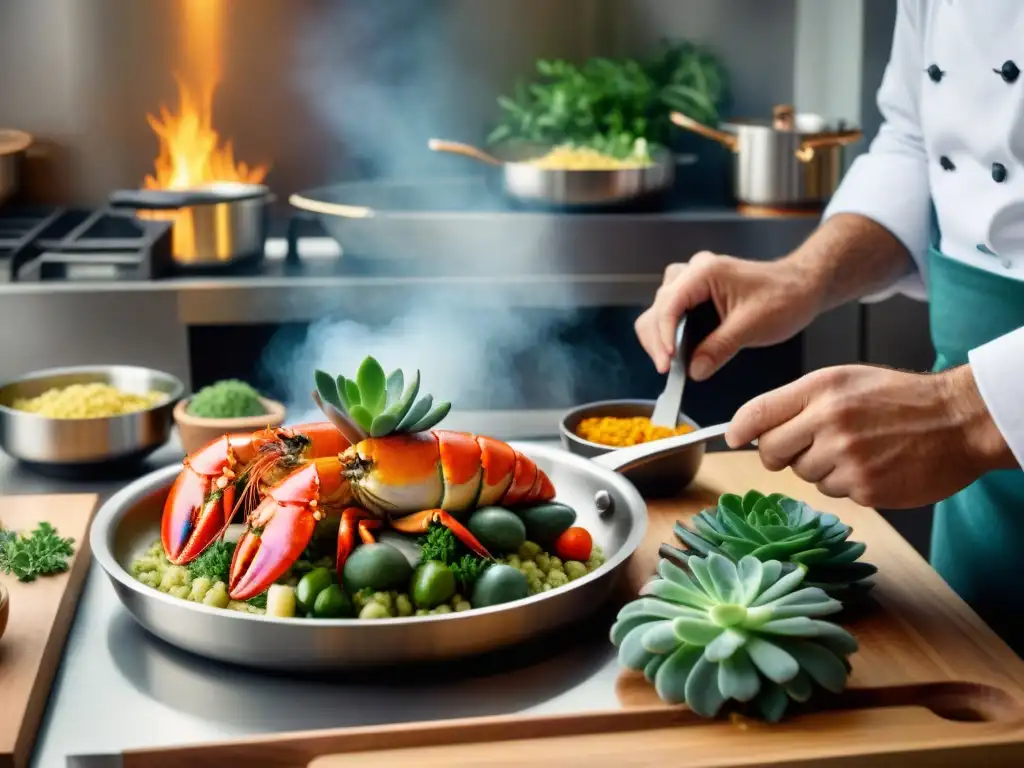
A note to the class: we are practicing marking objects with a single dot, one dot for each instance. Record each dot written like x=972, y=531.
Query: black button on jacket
x=1009, y=72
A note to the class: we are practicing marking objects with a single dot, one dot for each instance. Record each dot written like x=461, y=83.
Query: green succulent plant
x=380, y=405
x=743, y=632
x=777, y=527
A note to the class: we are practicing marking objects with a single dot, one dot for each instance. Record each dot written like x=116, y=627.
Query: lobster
x=403, y=481
x=230, y=473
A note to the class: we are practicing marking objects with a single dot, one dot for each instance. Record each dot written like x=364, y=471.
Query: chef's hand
x=881, y=437
x=759, y=304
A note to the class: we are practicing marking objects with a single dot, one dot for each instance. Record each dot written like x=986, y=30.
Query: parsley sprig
x=41, y=553
x=440, y=544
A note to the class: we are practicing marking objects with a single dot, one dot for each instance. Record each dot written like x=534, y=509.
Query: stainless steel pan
x=607, y=504
x=524, y=182
x=216, y=224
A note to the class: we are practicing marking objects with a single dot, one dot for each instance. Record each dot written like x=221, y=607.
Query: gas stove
x=55, y=244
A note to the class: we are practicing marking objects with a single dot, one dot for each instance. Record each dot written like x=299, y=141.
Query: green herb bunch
x=379, y=404
x=41, y=553
x=610, y=104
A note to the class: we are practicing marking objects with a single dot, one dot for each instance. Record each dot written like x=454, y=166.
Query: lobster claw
x=198, y=504
x=278, y=531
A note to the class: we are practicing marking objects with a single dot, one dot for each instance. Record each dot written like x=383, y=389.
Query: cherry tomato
x=574, y=544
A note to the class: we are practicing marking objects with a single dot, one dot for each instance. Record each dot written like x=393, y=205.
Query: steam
x=382, y=77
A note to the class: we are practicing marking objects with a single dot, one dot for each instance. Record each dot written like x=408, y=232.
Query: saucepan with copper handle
x=790, y=161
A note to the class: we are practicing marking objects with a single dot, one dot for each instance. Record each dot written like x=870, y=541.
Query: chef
x=935, y=210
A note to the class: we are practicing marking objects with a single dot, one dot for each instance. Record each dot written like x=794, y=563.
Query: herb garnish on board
x=41, y=553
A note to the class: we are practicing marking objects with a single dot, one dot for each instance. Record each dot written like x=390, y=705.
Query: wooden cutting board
x=40, y=617
x=931, y=685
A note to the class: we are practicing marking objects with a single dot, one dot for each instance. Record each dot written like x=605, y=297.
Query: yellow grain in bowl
x=87, y=401
x=619, y=432
x=569, y=158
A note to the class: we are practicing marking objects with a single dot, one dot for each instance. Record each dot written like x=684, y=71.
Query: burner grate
x=43, y=243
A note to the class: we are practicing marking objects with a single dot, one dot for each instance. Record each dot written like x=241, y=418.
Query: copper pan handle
x=466, y=150
x=727, y=140
x=805, y=152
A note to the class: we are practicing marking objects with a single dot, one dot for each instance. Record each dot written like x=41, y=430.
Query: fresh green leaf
x=417, y=412
x=327, y=388
x=372, y=385
x=214, y=563
x=383, y=424
x=41, y=553
x=432, y=418
x=362, y=416
x=395, y=384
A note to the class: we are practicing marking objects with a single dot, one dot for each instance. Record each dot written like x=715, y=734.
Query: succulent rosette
x=374, y=404
x=777, y=527
x=746, y=632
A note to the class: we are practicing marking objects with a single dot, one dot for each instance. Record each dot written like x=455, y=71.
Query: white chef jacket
x=952, y=99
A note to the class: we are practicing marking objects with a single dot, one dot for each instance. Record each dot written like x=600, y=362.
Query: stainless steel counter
x=119, y=688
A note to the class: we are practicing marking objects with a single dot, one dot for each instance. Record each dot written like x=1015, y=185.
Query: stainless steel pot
x=81, y=447
x=216, y=224
x=789, y=161
x=524, y=182
x=12, y=148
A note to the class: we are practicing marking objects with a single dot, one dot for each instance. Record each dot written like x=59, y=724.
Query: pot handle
x=625, y=459
x=150, y=199
x=805, y=152
x=466, y=150
x=724, y=138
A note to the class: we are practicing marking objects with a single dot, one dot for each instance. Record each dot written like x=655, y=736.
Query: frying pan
x=607, y=504
x=523, y=182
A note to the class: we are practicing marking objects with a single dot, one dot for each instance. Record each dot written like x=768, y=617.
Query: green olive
x=310, y=586
x=433, y=583
x=332, y=603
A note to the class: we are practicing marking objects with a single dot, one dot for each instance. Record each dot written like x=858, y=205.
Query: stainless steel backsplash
x=327, y=90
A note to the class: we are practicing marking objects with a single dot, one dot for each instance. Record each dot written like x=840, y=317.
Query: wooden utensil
x=40, y=617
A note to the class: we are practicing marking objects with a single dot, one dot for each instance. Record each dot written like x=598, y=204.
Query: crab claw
x=278, y=531
x=196, y=507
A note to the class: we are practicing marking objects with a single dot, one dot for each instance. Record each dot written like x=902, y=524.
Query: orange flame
x=191, y=152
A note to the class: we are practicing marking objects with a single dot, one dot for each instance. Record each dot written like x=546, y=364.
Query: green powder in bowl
x=228, y=399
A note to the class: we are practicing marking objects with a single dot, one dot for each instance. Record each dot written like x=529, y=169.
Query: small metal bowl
x=73, y=447
x=660, y=478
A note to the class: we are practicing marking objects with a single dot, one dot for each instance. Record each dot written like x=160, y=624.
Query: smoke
x=384, y=78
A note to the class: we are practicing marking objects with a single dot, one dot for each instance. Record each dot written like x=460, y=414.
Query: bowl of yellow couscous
x=597, y=428
x=82, y=419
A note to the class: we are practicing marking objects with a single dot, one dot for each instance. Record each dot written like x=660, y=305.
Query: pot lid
x=12, y=141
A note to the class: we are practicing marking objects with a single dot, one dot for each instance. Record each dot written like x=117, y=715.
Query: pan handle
x=330, y=209
x=466, y=150
x=724, y=138
x=625, y=459
x=805, y=152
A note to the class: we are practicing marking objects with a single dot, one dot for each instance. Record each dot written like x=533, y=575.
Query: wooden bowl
x=5, y=609
x=196, y=432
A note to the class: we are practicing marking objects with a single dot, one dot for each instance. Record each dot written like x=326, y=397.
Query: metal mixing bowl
x=662, y=477
x=74, y=446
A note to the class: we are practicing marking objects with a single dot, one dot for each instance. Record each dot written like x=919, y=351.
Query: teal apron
x=978, y=534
